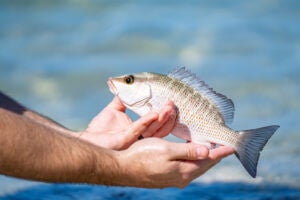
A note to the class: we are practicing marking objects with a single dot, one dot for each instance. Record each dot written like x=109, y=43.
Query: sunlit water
x=56, y=57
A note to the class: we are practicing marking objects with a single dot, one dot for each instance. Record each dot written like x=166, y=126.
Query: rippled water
x=56, y=57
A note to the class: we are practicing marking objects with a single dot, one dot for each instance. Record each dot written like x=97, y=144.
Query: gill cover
x=136, y=94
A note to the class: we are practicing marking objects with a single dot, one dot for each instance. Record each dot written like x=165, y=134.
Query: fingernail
x=202, y=152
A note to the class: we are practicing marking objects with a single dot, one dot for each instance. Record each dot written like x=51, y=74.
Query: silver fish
x=203, y=116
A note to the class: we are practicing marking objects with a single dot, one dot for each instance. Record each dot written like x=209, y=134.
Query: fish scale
x=203, y=114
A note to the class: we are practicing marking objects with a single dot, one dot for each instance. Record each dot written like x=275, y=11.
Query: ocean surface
x=55, y=57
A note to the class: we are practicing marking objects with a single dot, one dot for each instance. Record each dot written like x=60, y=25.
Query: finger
x=214, y=156
x=188, y=151
x=166, y=128
x=197, y=167
x=138, y=127
x=152, y=129
x=116, y=104
x=168, y=111
x=220, y=152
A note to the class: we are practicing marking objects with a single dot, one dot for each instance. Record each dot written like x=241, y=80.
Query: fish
x=203, y=114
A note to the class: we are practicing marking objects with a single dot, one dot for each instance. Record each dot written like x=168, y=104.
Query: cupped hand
x=155, y=162
x=113, y=129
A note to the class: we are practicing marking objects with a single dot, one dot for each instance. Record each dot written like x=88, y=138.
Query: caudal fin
x=251, y=143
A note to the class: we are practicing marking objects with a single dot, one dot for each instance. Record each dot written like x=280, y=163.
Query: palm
x=111, y=119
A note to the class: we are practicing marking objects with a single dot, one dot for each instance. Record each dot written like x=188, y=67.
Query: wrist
x=87, y=137
x=132, y=170
x=126, y=168
x=109, y=169
x=80, y=134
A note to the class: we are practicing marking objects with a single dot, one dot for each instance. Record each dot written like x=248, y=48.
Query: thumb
x=116, y=104
x=189, y=151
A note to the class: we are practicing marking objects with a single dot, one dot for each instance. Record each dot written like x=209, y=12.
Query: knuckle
x=166, y=149
x=190, y=152
x=185, y=179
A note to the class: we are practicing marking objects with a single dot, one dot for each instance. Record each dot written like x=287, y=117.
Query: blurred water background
x=55, y=57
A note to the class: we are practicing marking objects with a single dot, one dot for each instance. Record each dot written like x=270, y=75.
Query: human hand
x=157, y=163
x=113, y=129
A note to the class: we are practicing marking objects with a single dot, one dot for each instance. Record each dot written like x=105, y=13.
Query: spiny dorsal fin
x=224, y=104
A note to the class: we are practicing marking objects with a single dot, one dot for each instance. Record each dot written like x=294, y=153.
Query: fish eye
x=129, y=79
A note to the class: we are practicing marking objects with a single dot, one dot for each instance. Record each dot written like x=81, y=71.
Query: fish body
x=203, y=115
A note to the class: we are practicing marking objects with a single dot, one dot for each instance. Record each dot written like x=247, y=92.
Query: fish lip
x=111, y=86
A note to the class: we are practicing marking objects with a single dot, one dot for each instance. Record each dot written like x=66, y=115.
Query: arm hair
x=36, y=148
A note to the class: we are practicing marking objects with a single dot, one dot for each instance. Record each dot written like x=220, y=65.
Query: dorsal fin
x=224, y=104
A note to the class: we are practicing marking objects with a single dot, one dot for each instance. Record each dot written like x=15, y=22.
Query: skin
x=113, y=129
x=37, y=148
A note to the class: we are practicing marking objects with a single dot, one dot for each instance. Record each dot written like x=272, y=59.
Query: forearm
x=9, y=104
x=33, y=151
x=37, y=117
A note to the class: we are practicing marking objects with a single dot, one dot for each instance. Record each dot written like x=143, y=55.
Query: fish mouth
x=111, y=86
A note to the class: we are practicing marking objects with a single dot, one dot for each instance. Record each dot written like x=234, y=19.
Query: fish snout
x=111, y=86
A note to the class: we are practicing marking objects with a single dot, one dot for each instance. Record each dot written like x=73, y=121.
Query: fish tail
x=251, y=143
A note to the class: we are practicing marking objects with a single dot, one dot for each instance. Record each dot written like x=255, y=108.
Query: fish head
x=132, y=90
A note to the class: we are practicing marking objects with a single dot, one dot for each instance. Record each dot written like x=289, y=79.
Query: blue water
x=216, y=190
x=55, y=57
